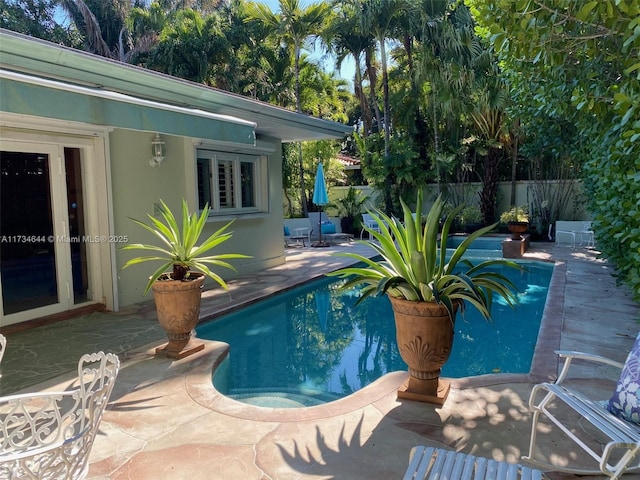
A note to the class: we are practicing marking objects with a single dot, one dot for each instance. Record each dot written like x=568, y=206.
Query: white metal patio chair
x=618, y=452
x=587, y=235
x=370, y=223
x=568, y=233
x=49, y=435
x=296, y=236
x=439, y=464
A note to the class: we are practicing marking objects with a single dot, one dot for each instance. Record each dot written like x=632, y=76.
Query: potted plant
x=517, y=220
x=470, y=218
x=350, y=209
x=426, y=289
x=178, y=282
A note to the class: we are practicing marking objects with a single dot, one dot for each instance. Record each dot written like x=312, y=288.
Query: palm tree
x=294, y=24
x=490, y=121
x=97, y=23
x=144, y=25
x=202, y=6
x=322, y=94
x=444, y=71
x=190, y=45
x=380, y=17
x=344, y=37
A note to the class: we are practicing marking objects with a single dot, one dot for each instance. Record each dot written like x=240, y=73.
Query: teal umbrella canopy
x=320, y=196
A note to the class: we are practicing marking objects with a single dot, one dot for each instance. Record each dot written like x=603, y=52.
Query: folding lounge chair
x=324, y=230
x=440, y=464
x=316, y=219
x=618, y=441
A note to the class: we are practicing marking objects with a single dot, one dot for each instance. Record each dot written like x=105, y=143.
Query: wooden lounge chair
x=440, y=464
x=49, y=435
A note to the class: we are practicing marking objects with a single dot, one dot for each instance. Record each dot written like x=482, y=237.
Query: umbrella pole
x=320, y=243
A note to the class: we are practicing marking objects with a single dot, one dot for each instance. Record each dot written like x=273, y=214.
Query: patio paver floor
x=166, y=421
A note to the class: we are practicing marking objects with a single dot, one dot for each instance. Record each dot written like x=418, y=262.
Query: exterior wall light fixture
x=158, y=151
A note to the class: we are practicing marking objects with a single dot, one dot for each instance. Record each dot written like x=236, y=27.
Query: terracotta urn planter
x=178, y=308
x=424, y=333
x=517, y=229
x=415, y=267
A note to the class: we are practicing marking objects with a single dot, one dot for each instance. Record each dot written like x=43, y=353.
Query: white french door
x=43, y=260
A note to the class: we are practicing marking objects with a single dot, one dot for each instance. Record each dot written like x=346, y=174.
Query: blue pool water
x=486, y=242
x=311, y=345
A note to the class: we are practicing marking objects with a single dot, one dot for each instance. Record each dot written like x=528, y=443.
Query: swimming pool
x=485, y=242
x=311, y=345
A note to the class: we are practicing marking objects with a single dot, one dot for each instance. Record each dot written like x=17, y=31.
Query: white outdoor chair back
x=370, y=223
x=49, y=435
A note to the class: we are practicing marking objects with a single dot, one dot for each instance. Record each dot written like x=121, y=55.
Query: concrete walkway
x=166, y=421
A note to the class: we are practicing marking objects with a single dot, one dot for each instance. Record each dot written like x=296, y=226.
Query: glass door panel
x=77, y=229
x=27, y=253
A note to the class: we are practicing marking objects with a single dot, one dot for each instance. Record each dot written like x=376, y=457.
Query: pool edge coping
x=199, y=379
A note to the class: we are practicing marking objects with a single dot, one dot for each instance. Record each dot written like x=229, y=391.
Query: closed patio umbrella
x=320, y=198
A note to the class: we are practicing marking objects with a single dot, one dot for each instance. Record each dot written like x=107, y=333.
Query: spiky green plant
x=414, y=263
x=178, y=249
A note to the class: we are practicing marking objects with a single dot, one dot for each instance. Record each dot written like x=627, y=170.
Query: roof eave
x=49, y=60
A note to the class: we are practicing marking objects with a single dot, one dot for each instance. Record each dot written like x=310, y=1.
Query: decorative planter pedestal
x=517, y=229
x=424, y=333
x=515, y=248
x=178, y=308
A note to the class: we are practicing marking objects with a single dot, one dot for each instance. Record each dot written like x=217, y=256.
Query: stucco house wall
x=137, y=188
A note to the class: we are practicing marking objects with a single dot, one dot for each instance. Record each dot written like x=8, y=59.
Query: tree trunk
x=388, y=201
x=373, y=81
x=489, y=191
x=303, y=196
x=364, y=107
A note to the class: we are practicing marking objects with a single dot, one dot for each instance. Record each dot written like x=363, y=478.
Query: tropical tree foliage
x=36, y=18
x=582, y=60
x=293, y=25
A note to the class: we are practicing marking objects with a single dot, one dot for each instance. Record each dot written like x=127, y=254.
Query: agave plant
x=414, y=264
x=178, y=249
